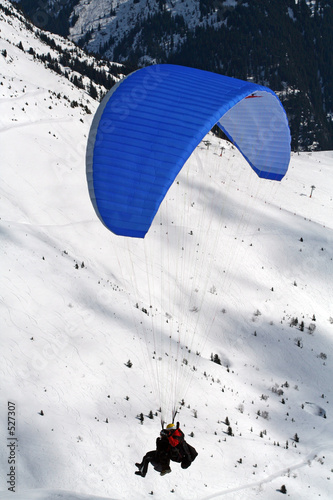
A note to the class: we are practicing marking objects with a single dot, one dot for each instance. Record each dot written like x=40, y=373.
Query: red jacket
x=176, y=437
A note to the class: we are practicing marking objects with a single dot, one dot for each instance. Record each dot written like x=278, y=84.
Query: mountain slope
x=72, y=314
x=284, y=44
x=59, y=54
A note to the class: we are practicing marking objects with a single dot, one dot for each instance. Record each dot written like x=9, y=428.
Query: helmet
x=170, y=426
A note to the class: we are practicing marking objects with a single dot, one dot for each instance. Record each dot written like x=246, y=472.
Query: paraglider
x=159, y=458
x=149, y=124
x=170, y=445
x=143, y=133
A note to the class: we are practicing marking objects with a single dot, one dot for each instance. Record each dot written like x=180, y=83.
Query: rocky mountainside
x=284, y=44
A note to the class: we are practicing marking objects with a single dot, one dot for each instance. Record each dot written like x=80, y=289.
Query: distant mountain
x=284, y=44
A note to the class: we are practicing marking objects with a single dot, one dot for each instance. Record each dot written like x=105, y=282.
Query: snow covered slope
x=70, y=322
x=104, y=23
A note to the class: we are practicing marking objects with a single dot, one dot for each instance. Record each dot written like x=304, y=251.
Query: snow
x=72, y=300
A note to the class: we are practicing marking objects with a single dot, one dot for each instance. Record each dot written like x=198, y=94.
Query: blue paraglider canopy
x=148, y=125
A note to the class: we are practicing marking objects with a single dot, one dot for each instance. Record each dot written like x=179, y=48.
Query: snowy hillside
x=104, y=23
x=283, y=44
x=57, y=53
x=77, y=303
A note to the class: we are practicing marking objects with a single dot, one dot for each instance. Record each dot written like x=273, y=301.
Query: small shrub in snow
x=311, y=328
x=241, y=408
x=294, y=322
x=298, y=342
x=215, y=358
x=277, y=390
x=129, y=364
x=283, y=489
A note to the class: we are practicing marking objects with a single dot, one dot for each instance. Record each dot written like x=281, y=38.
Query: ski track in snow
x=34, y=123
x=280, y=473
